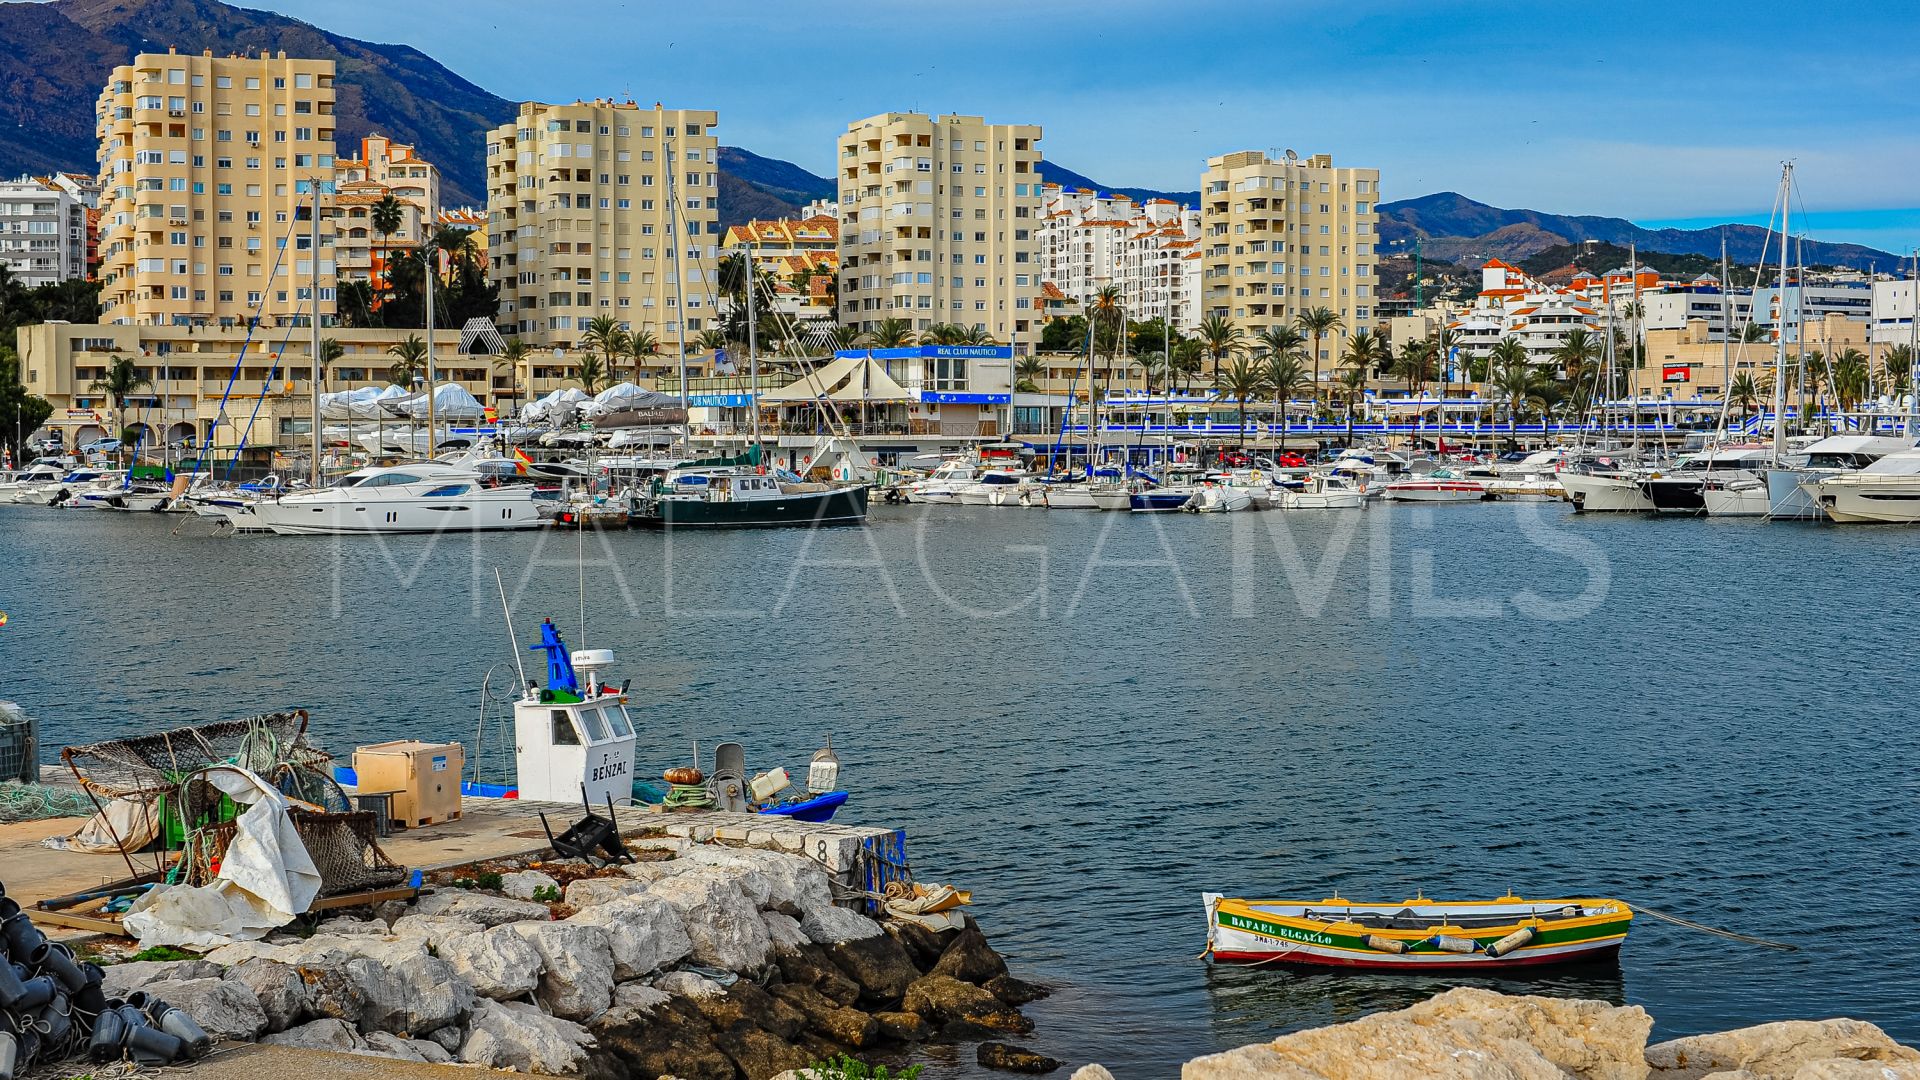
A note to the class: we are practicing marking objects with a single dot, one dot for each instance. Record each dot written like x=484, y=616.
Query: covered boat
x=1417, y=934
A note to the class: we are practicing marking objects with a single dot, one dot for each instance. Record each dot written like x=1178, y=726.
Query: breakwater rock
x=702, y=961
x=1472, y=1034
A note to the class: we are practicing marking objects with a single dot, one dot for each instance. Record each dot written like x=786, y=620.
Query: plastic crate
x=19, y=746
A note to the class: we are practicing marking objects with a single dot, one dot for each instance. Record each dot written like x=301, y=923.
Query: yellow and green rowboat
x=1417, y=934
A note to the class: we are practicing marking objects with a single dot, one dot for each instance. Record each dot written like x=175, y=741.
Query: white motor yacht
x=1606, y=487
x=1323, y=491
x=1790, y=492
x=994, y=487
x=1218, y=498
x=40, y=471
x=942, y=486
x=420, y=497
x=1682, y=489
x=1439, y=486
x=1885, y=492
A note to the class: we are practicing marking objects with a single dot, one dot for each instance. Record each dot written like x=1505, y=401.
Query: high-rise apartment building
x=1284, y=236
x=1089, y=241
x=593, y=208
x=205, y=162
x=939, y=223
x=43, y=232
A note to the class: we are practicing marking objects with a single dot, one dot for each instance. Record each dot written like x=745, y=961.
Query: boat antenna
x=580, y=564
x=507, y=613
x=313, y=383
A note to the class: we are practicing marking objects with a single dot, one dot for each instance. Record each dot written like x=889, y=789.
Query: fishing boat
x=1415, y=935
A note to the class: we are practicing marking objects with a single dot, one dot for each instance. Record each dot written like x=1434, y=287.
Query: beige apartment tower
x=1284, y=235
x=939, y=223
x=203, y=161
x=593, y=208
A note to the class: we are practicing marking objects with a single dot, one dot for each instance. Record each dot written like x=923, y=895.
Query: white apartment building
x=939, y=223
x=596, y=208
x=383, y=168
x=1893, y=303
x=1512, y=304
x=1089, y=241
x=43, y=232
x=1810, y=303
x=1284, y=236
x=1672, y=307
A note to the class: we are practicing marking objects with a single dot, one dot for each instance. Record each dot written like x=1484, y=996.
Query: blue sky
x=1659, y=112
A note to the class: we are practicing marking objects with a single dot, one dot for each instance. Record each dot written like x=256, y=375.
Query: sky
x=1661, y=112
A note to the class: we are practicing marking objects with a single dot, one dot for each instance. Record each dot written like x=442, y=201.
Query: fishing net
x=272, y=745
x=343, y=848
x=38, y=802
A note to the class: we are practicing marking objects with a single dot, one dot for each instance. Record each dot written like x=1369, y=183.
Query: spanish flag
x=521, y=461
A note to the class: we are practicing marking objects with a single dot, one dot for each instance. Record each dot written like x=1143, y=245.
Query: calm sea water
x=1089, y=718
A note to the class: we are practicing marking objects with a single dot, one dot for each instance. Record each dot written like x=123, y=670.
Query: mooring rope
x=1691, y=925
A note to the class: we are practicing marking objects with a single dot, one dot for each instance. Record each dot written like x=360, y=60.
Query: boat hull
x=308, y=516
x=1870, y=503
x=1335, y=934
x=1605, y=494
x=1675, y=495
x=1435, y=491
x=1067, y=497
x=839, y=506
x=1112, y=498
x=1158, y=501
x=1746, y=498
x=1790, y=493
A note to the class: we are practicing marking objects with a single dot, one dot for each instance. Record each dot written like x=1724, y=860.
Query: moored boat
x=1415, y=935
x=743, y=496
x=1439, y=486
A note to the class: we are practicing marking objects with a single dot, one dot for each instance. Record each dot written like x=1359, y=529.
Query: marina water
x=1089, y=718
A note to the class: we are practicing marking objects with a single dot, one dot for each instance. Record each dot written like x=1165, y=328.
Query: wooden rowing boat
x=1417, y=934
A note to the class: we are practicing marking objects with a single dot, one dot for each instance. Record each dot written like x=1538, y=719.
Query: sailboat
x=740, y=492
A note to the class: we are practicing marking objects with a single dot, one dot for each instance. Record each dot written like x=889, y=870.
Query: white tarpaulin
x=266, y=877
x=451, y=401
x=554, y=405
x=627, y=395
x=125, y=824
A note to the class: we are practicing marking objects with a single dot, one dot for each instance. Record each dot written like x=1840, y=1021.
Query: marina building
x=1810, y=303
x=1893, y=311
x=604, y=208
x=207, y=165
x=382, y=169
x=43, y=231
x=939, y=223
x=1283, y=236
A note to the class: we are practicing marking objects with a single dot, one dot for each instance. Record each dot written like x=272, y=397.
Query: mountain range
x=61, y=52
x=1453, y=228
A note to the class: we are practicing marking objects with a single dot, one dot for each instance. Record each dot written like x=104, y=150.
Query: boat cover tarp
x=555, y=404
x=624, y=397
x=451, y=401
x=266, y=877
x=360, y=403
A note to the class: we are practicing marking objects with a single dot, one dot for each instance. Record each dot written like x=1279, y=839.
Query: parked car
x=100, y=446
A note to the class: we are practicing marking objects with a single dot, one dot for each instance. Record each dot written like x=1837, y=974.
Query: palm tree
x=1415, y=365
x=1753, y=332
x=1280, y=340
x=944, y=334
x=1577, y=354
x=410, y=359
x=891, y=334
x=845, y=337
x=590, y=373
x=1240, y=380
x=1850, y=377
x=710, y=342
x=641, y=345
x=510, y=357
x=1286, y=377
x=977, y=335
x=604, y=336
x=1896, y=366
x=1186, y=362
x=1507, y=352
x=330, y=350
x=1029, y=369
x=1318, y=323
x=1520, y=385
x=1363, y=351
x=1221, y=337
x=1744, y=392
x=120, y=381
x=458, y=243
x=386, y=217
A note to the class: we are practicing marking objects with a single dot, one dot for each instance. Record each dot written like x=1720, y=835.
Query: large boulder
x=225, y=1010
x=746, y=1004
x=946, y=1001
x=588, y=892
x=725, y=926
x=1463, y=1034
x=632, y=1002
x=577, y=983
x=688, y=985
x=1782, y=1050
x=879, y=964
x=328, y=1033
x=513, y=1035
x=829, y=925
x=828, y=1018
x=498, y=963
x=381, y=984
x=281, y=992
x=809, y=965
x=483, y=908
x=386, y=1045
x=673, y=1040
x=794, y=883
x=646, y=933
x=784, y=930
x=969, y=958
x=760, y=1053
x=1009, y=1058
x=119, y=980
x=522, y=884
x=434, y=929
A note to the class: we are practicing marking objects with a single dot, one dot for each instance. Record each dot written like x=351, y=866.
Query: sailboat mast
x=1726, y=328
x=753, y=347
x=313, y=264
x=428, y=261
x=679, y=270
x=1780, y=331
x=1913, y=347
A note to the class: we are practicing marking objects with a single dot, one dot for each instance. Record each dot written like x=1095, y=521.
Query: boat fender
x=1384, y=944
x=1512, y=941
x=1447, y=943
